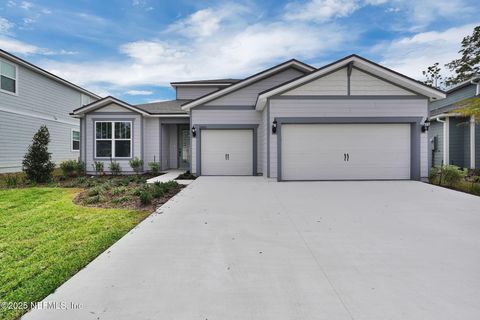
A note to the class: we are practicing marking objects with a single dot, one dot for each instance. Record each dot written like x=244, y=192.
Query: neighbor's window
x=8, y=75
x=85, y=99
x=113, y=139
x=75, y=140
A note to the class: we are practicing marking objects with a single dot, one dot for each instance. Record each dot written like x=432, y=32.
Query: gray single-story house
x=349, y=120
x=462, y=148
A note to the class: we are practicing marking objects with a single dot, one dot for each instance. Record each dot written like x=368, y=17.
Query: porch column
x=446, y=141
x=472, y=142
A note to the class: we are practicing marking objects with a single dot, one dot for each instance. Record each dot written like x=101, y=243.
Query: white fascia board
x=241, y=84
x=102, y=103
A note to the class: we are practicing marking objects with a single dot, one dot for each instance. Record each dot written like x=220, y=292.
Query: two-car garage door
x=345, y=151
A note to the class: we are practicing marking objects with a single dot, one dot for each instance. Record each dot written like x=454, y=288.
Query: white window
x=75, y=140
x=8, y=77
x=113, y=139
x=85, y=99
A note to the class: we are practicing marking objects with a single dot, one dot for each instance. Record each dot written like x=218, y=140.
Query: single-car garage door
x=345, y=151
x=227, y=152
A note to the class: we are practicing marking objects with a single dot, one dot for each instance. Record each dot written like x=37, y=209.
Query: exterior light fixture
x=426, y=125
x=194, y=132
x=274, y=126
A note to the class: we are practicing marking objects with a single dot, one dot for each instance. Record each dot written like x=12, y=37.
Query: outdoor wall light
x=274, y=126
x=426, y=125
x=194, y=132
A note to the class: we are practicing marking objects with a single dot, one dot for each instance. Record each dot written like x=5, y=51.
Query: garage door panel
x=316, y=151
x=226, y=152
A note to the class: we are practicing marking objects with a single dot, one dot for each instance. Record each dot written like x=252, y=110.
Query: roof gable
x=365, y=66
x=105, y=102
x=247, y=81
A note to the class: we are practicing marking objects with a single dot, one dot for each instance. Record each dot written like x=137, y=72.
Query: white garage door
x=345, y=151
x=227, y=152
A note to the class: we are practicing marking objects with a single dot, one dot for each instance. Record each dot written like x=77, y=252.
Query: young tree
x=433, y=75
x=37, y=164
x=469, y=63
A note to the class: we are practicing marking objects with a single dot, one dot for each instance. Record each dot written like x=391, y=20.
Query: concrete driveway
x=246, y=248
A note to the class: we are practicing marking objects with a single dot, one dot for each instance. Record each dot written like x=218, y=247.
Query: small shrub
x=157, y=191
x=137, y=191
x=124, y=182
x=121, y=199
x=118, y=191
x=93, y=199
x=37, y=163
x=98, y=167
x=145, y=197
x=186, y=176
x=11, y=180
x=81, y=168
x=115, y=168
x=95, y=191
x=154, y=167
x=136, y=165
x=69, y=167
x=451, y=175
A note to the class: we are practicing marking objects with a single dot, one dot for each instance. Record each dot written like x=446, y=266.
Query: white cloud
x=19, y=47
x=320, y=10
x=26, y=5
x=411, y=55
x=5, y=26
x=139, y=92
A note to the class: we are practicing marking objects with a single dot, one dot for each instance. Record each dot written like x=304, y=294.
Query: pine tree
x=433, y=76
x=469, y=63
x=37, y=163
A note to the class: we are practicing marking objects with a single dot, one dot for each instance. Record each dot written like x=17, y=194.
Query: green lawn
x=45, y=239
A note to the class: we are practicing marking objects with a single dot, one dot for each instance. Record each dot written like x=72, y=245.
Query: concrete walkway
x=169, y=176
x=246, y=248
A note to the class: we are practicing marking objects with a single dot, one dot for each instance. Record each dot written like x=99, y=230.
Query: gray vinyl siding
x=247, y=96
x=348, y=108
x=152, y=141
x=16, y=133
x=39, y=100
x=466, y=144
x=90, y=139
x=223, y=117
x=165, y=146
x=457, y=135
x=193, y=92
x=436, y=130
x=453, y=97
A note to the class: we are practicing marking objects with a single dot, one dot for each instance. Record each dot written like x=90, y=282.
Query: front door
x=183, y=147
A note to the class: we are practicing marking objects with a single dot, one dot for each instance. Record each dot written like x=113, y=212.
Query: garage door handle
x=348, y=157
x=227, y=156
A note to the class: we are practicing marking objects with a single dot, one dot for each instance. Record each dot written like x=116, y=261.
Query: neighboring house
x=351, y=119
x=29, y=98
x=462, y=148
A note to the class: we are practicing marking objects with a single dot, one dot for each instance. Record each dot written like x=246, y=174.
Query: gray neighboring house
x=349, y=120
x=462, y=147
x=29, y=98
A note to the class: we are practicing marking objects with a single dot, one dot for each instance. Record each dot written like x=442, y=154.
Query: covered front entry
x=346, y=151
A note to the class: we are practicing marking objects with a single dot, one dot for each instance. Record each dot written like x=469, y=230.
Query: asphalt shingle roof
x=164, y=107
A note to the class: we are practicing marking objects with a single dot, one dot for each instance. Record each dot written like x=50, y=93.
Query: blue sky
x=133, y=49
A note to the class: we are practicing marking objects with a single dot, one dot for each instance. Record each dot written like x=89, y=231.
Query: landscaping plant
x=115, y=168
x=136, y=165
x=154, y=167
x=69, y=168
x=37, y=163
x=98, y=167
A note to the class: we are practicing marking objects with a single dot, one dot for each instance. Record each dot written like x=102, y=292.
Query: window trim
x=113, y=139
x=79, y=140
x=16, y=78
